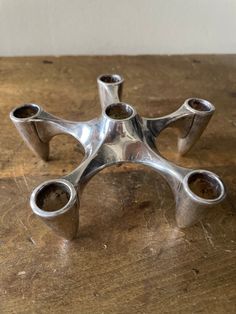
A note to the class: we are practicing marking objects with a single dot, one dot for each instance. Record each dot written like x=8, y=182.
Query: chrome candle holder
x=119, y=135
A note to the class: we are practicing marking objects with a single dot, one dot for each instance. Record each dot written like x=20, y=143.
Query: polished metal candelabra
x=118, y=135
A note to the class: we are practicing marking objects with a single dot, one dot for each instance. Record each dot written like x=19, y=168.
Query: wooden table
x=130, y=256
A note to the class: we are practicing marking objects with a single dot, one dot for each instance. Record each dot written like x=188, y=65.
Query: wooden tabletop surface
x=130, y=257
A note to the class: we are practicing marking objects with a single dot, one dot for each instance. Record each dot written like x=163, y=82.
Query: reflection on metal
x=118, y=136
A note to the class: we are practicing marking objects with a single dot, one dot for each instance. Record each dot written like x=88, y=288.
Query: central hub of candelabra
x=118, y=136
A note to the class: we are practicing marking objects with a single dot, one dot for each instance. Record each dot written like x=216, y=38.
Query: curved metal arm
x=190, y=120
x=118, y=136
x=37, y=128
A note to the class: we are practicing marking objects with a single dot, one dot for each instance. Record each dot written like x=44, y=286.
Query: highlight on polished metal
x=118, y=135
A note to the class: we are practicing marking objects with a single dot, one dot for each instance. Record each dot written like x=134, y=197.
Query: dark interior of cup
x=204, y=185
x=199, y=105
x=110, y=78
x=53, y=196
x=25, y=111
x=119, y=111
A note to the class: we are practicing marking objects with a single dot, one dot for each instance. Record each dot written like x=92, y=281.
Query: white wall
x=57, y=27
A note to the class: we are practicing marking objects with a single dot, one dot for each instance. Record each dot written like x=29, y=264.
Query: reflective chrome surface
x=119, y=135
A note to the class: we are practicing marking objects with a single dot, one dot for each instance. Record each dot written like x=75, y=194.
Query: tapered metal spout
x=202, y=111
x=110, y=88
x=199, y=191
x=25, y=120
x=56, y=202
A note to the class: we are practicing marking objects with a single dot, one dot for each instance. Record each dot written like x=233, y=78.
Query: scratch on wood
x=32, y=240
x=22, y=223
x=25, y=227
x=208, y=237
x=18, y=186
x=24, y=178
x=34, y=274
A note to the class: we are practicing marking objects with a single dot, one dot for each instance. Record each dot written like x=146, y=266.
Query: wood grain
x=130, y=256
